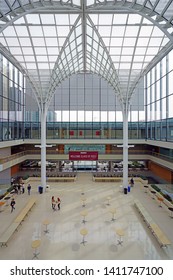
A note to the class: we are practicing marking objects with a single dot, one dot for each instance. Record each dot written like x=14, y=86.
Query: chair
x=146, y=188
x=160, y=199
x=171, y=211
x=7, y=198
x=153, y=194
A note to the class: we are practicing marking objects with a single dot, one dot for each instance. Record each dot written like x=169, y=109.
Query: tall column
x=125, y=146
x=43, y=147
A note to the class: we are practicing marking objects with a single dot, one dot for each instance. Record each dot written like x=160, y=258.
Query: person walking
x=18, y=188
x=131, y=182
x=29, y=189
x=53, y=203
x=23, y=188
x=58, y=203
x=12, y=204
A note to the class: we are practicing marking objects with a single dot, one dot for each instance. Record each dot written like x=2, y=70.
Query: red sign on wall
x=83, y=155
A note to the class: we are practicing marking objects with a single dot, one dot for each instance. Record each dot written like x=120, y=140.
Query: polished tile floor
x=63, y=239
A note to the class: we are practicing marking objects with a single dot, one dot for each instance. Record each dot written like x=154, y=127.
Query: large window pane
x=170, y=106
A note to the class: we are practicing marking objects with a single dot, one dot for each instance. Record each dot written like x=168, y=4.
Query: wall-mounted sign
x=83, y=155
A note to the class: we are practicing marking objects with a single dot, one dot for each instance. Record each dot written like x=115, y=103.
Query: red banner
x=83, y=155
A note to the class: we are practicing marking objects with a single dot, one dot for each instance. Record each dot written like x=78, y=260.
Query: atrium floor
x=63, y=239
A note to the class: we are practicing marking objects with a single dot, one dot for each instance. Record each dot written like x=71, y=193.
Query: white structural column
x=43, y=146
x=125, y=145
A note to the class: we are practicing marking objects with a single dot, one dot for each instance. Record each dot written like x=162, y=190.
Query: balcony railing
x=117, y=152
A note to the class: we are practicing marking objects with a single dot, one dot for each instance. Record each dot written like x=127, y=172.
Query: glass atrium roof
x=118, y=40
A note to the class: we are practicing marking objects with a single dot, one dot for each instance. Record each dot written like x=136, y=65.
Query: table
x=160, y=199
x=153, y=193
x=35, y=245
x=171, y=210
x=113, y=211
x=82, y=192
x=108, y=200
x=46, y=223
x=83, y=232
x=84, y=214
x=83, y=200
x=120, y=234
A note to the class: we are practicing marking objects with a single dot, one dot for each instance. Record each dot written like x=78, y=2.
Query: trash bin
x=125, y=190
x=40, y=189
x=128, y=188
x=47, y=188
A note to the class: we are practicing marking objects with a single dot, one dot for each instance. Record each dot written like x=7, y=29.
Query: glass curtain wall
x=11, y=101
x=159, y=100
x=85, y=106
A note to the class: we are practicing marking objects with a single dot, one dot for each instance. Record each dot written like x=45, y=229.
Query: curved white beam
x=10, y=11
x=83, y=60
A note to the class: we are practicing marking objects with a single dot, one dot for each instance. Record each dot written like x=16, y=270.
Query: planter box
x=107, y=179
x=118, y=179
x=142, y=181
x=51, y=179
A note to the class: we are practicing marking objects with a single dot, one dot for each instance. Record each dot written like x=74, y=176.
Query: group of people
x=20, y=188
x=56, y=203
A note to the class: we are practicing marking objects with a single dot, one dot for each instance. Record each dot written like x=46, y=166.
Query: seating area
x=5, y=237
x=155, y=229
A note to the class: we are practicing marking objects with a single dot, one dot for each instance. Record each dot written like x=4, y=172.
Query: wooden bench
x=4, y=238
x=160, y=236
x=143, y=212
x=155, y=229
x=8, y=233
x=25, y=210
